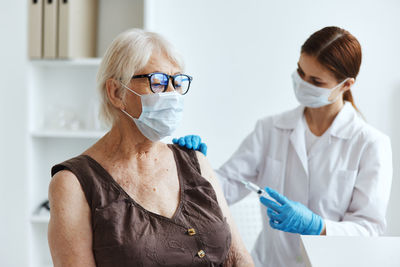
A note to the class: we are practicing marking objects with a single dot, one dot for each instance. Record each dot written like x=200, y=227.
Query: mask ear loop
x=335, y=88
x=129, y=115
x=126, y=87
x=345, y=80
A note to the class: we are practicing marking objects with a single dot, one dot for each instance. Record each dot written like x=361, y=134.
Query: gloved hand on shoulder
x=191, y=142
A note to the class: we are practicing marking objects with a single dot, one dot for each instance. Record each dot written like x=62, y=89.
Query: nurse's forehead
x=311, y=67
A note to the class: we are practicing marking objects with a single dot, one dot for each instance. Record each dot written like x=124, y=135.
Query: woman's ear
x=113, y=88
x=347, y=85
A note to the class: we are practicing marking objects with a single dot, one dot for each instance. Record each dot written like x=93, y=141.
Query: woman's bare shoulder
x=63, y=181
x=65, y=191
x=69, y=230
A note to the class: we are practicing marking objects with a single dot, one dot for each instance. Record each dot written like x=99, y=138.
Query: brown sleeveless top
x=126, y=234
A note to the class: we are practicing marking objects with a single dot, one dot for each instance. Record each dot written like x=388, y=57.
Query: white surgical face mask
x=161, y=114
x=313, y=96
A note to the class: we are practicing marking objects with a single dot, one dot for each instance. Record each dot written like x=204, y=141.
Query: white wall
x=227, y=46
x=231, y=46
x=13, y=123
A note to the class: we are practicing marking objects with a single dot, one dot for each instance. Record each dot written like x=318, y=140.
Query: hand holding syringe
x=287, y=215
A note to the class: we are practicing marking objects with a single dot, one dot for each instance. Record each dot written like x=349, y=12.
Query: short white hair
x=128, y=54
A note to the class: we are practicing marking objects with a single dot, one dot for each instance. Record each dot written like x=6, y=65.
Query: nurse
x=327, y=168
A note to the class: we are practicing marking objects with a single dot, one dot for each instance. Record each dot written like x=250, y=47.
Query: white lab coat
x=346, y=178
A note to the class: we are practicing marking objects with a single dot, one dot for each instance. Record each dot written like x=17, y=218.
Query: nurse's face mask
x=161, y=111
x=313, y=96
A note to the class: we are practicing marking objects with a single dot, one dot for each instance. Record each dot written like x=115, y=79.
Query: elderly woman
x=130, y=200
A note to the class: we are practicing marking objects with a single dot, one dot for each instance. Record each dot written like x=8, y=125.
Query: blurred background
x=240, y=53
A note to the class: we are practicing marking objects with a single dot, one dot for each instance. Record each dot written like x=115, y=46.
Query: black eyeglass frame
x=148, y=76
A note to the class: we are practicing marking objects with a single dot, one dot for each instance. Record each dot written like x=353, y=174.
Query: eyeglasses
x=159, y=82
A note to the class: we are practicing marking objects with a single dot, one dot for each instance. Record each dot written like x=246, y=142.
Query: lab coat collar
x=290, y=119
x=342, y=126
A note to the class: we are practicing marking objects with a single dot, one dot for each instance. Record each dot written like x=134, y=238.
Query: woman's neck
x=320, y=119
x=125, y=142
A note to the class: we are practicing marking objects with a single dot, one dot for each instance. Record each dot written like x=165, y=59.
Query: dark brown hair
x=338, y=51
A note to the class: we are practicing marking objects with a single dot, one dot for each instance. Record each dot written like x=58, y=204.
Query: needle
x=255, y=188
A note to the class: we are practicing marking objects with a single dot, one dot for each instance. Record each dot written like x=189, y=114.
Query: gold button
x=191, y=231
x=201, y=253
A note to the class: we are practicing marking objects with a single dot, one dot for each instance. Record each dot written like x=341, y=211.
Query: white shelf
x=68, y=134
x=95, y=62
x=40, y=219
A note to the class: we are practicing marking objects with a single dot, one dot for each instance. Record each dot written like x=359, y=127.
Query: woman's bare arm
x=238, y=254
x=70, y=230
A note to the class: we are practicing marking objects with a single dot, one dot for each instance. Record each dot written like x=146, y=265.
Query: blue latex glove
x=291, y=216
x=191, y=142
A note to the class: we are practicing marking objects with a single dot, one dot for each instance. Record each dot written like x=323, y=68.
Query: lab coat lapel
x=297, y=139
x=291, y=121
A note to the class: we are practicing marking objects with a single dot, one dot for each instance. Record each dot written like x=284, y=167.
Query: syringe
x=255, y=188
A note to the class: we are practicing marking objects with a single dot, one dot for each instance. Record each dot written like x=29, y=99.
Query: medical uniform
x=344, y=176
